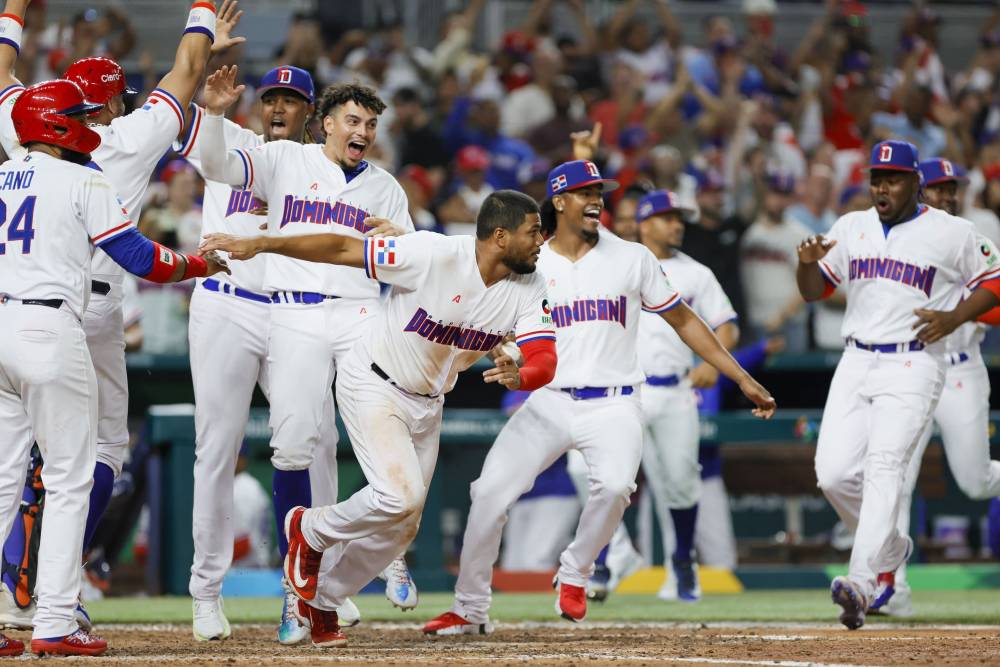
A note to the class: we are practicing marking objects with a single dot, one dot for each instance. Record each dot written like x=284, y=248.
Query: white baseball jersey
x=440, y=317
x=130, y=148
x=307, y=193
x=225, y=208
x=927, y=262
x=661, y=350
x=52, y=215
x=595, y=303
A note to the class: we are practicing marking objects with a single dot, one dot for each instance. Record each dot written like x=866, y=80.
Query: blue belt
x=584, y=393
x=664, y=380
x=912, y=346
x=301, y=297
x=213, y=285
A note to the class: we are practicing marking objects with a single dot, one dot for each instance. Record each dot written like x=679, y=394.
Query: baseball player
x=904, y=267
x=669, y=402
x=597, y=286
x=453, y=299
x=56, y=212
x=228, y=335
x=128, y=152
x=317, y=311
x=962, y=411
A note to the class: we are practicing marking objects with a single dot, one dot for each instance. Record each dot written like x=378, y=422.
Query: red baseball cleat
x=302, y=561
x=572, y=602
x=324, y=626
x=80, y=642
x=450, y=623
x=10, y=647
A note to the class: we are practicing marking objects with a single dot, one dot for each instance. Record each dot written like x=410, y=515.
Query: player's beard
x=76, y=157
x=520, y=266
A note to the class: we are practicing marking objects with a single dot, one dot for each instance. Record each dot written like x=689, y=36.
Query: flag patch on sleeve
x=385, y=252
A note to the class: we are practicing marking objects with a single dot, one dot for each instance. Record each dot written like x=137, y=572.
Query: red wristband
x=196, y=267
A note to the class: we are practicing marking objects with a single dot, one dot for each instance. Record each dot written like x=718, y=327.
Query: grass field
x=976, y=607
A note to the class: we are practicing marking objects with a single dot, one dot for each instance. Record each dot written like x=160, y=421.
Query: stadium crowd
x=764, y=140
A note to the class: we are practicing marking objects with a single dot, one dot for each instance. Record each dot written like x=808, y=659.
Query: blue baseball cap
x=660, y=201
x=780, y=181
x=938, y=170
x=895, y=156
x=292, y=78
x=577, y=174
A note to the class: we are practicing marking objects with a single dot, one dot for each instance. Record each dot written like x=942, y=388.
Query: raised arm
x=812, y=285
x=696, y=335
x=325, y=248
x=218, y=163
x=10, y=40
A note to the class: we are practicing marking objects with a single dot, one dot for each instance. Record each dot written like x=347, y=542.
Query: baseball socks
x=100, y=498
x=290, y=488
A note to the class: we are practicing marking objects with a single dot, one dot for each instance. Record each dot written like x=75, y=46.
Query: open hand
x=225, y=20
x=221, y=91
x=814, y=249
x=383, y=227
x=238, y=247
x=506, y=372
x=933, y=325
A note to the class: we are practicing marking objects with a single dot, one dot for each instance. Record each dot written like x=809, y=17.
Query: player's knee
x=613, y=487
x=489, y=493
x=832, y=479
x=403, y=501
x=973, y=483
x=291, y=458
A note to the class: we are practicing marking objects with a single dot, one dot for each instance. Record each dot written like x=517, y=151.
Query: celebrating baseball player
x=669, y=403
x=129, y=149
x=597, y=286
x=228, y=332
x=56, y=212
x=317, y=311
x=453, y=299
x=962, y=412
x=905, y=267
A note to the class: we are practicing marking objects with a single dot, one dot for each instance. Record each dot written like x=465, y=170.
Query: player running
x=962, y=412
x=905, y=267
x=453, y=299
x=130, y=147
x=57, y=211
x=317, y=311
x=228, y=332
x=597, y=286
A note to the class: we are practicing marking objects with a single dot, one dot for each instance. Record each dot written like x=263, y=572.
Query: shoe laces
x=399, y=572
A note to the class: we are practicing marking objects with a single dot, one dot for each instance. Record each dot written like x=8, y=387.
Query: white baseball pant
x=48, y=393
x=878, y=405
x=395, y=436
x=963, y=413
x=228, y=341
x=104, y=325
x=607, y=431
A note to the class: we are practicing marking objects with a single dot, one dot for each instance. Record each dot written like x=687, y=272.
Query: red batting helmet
x=100, y=78
x=42, y=113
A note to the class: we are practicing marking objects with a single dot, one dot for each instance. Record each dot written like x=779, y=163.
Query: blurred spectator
x=912, y=124
x=477, y=122
x=419, y=189
x=768, y=259
x=458, y=212
x=416, y=141
x=624, y=224
x=715, y=239
x=531, y=105
x=252, y=544
x=552, y=138
x=651, y=56
x=181, y=214
x=92, y=33
x=624, y=105
x=813, y=211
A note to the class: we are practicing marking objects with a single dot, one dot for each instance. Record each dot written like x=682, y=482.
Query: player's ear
x=557, y=203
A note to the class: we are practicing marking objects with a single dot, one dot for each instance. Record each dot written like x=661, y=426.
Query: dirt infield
x=586, y=644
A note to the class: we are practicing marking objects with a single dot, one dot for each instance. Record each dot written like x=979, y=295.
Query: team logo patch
x=947, y=168
x=385, y=252
x=545, y=307
x=284, y=75
x=559, y=182
x=885, y=154
x=592, y=169
x=166, y=257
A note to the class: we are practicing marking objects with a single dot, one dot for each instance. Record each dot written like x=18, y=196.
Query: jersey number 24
x=21, y=227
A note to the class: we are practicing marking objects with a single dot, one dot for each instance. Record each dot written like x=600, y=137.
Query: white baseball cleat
x=210, y=620
x=12, y=616
x=291, y=630
x=349, y=614
x=399, y=586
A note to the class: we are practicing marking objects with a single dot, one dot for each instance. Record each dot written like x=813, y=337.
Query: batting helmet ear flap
x=547, y=214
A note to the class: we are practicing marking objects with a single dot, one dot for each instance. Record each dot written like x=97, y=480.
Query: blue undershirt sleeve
x=132, y=251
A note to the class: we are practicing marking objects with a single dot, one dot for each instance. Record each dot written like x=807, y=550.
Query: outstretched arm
x=325, y=248
x=696, y=335
x=11, y=23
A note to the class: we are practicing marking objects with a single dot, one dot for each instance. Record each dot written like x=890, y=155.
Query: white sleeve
x=148, y=132
x=835, y=266
x=102, y=213
x=658, y=295
x=402, y=261
x=712, y=304
x=979, y=261
x=534, y=322
x=190, y=149
x=8, y=135
x=239, y=168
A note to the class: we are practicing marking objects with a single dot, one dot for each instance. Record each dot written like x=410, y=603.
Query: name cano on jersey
x=320, y=212
x=463, y=338
x=887, y=268
x=586, y=310
x=17, y=180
